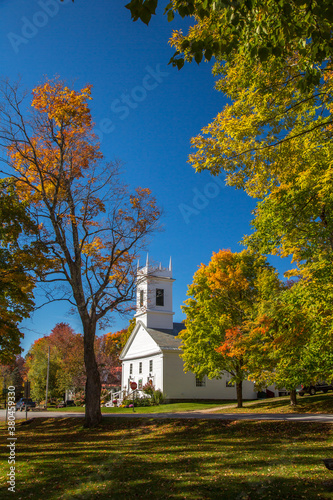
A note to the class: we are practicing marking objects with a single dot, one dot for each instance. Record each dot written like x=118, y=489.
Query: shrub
x=79, y=398
x=144, y=401
x=148, y=388
x=158, y=397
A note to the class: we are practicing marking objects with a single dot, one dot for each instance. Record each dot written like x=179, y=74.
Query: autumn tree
x=67, y=347
x=92, y=227
x=15, y=374
x=127, y=332
x=66, y=365
x=223, y=298
x=21, y=257
x=274, y=140
x=108, y=349
x=274, y=58
x=274, y=63
x=276, y=145
x=113, y=344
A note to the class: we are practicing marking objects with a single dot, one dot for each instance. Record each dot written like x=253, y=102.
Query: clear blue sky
x=145, y=113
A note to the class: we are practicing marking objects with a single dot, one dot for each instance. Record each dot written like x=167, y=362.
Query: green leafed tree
x=255, y=30
x=223, y=298
x=37, y=361
x=289, y=342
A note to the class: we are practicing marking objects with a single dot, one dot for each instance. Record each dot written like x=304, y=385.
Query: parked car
x=317, y=387
x=25, y=402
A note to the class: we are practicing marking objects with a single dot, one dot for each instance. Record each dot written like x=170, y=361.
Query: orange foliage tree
x=91, y=225
x=224, y=296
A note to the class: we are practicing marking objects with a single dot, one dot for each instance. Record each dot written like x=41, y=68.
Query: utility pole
x=47, y=377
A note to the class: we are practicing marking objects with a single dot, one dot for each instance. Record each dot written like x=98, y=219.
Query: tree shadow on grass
x=321, y=403
x=126, y=458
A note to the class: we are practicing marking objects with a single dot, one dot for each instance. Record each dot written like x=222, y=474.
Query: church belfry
x=154, y=296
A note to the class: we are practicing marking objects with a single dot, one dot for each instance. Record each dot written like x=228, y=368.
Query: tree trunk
x=239, y=390
x=293, y=399
x=93, y=415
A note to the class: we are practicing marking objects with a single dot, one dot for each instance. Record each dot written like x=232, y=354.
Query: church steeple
x=154, y=296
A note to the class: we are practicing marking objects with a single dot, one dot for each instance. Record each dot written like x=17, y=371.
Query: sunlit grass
x=320, y=403
x=153, y=459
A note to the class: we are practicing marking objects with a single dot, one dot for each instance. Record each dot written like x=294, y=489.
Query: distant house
x=152, y=352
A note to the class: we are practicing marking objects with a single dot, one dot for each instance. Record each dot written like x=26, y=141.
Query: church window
x=131, y=368
x=159, y=297
x=140, y=367
x=200, y=382
x=141, y=298
x=140, y=384
x=151, y=365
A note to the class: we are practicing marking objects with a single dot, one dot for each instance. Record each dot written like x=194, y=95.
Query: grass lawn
x=320, y=403
x=174, y=459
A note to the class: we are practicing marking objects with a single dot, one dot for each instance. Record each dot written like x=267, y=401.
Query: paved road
x=292, y=417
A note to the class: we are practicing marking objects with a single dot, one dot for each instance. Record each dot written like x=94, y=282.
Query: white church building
x=152, y=352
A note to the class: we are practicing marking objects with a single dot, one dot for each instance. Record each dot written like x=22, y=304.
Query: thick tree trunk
x=293, y=397
x=239, y=390
x=93, y=415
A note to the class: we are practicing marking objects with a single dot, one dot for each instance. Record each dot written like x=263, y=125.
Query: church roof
x=166, y=339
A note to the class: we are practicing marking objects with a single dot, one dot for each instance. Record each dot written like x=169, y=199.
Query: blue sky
x=145, y=113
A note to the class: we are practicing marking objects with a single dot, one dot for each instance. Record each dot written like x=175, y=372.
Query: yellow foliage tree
x=92, y=227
